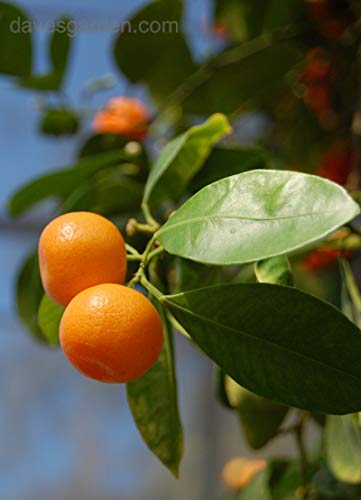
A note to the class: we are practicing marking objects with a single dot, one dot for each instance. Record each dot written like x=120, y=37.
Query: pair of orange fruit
x=108, y=331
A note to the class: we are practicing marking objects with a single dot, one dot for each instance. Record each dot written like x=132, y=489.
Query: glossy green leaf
x=153, y=402
x=260, y=418
x=343, y=447
x=277, y=342
x=49, y=316
x=256, y=215
x=29, y=292
x=62, y=182
x=181, y=159
x=276, y=270
x=226, y=161
x=154, y=42
x=15, y=41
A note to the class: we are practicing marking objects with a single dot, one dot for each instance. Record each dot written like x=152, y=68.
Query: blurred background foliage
x=287, y=75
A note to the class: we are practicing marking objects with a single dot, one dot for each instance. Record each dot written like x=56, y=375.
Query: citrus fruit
x=111, y=333
x=78, y=250
x=123, y=115
x=240, y=471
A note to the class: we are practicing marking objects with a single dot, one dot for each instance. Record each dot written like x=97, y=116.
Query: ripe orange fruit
x=123, y=115
x=240, y=471
x=111, y=333
x=78, y=250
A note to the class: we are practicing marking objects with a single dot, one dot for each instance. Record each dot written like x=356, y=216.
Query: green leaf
x=285, y=478
x=241, y=76
x=117, y=193
x=15, y=41
x=258, y=489
x=256, y=215
x=47, y=82
x=153, y=402
x=226, y=161
x=220, y=378
x=276, y=270
x=188, y=275
x=59, y=121
x=62, y=182
x=109, y=193
x=242, y=18
x=343, y=447
x=80, y=199
x=350, y=294
x=279, y=14
x=142, y=53
x=102, y=143
x=260, y=417
x=29, y=292
x=60, y=46
x=49, y=316
x=277, y=342
x=181, y=159
x=59, y=51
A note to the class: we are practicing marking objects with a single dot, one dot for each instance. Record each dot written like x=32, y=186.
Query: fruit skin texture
x=78, y=250
x=111, y=333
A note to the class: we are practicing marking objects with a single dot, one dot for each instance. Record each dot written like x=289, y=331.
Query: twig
x=299, y=436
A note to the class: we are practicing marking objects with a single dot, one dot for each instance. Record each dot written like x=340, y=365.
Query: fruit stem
x=151, y=222
x=147, y=252
x=133, y=254
x=155, y=252
x=134, y=226
x=151, y=288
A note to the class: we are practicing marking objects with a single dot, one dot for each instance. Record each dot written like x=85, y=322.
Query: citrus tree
x=248, y=251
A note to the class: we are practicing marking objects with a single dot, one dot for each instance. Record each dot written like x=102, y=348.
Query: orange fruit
x=318, y=97
x=125, y=116
x=240, y=471
x=78, y=250
x=111, y=333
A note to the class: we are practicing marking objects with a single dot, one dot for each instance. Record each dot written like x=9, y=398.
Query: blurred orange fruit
x=322, y=259
x=317, y=97
x=111, y=333
x=336, y=165
x=333, y=29
x=240, y=471
x=125, y=116
x=318, y=9
x=78, y=250
x=318, y=65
